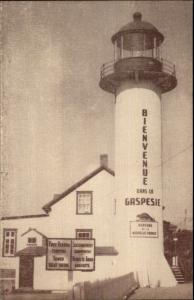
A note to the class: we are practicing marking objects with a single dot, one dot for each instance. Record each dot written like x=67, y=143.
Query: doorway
x=26, y=271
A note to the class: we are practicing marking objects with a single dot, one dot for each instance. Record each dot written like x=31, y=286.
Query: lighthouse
x=138, y=76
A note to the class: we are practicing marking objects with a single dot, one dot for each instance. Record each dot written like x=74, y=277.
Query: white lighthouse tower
x=138, y=77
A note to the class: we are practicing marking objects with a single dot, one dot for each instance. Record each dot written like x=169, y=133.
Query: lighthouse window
x=83, y=234
x=9, y=242
x=84, y=203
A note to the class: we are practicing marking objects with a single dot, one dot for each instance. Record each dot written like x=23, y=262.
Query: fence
x=110, y=289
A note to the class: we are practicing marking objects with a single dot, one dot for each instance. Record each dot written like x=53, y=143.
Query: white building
x=84, y=211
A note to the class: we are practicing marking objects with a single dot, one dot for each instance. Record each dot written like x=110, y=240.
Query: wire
x=175, y=155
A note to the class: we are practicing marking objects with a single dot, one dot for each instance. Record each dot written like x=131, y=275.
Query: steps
x=178, y=274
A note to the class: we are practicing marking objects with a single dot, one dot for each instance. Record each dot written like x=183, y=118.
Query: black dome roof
x=139, y=26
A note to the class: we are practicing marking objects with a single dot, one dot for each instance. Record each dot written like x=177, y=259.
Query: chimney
x=104, y=160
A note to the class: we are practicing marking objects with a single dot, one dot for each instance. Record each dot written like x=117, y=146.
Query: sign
x=70, y=254
x=143, y=229
x=83, y=258
x=58, y=254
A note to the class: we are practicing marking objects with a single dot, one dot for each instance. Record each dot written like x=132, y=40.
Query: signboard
x=143, y=229
x=83, y=258
x=70, y=254
x=58, y=254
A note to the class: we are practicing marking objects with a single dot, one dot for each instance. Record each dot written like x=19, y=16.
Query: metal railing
x=168, y=67
x=108, y=68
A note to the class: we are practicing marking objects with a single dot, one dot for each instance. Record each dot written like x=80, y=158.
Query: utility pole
x=185, y=219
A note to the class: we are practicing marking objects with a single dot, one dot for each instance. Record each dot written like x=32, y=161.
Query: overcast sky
x=56, y=119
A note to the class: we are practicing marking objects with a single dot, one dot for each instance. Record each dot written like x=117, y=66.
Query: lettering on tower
x=143, y=199
x=144, y=147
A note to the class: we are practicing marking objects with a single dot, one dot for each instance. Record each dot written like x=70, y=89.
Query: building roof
x=47, y=207
x=33, y=229
x=105, y=250
x=41, y=251
x=24, y=217
x=32, y=251
x=58, y=197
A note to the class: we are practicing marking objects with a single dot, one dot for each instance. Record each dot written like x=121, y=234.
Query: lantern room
x=138, y=38
x=137, y=56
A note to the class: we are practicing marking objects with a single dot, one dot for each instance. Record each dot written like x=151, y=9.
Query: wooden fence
x=110, y=289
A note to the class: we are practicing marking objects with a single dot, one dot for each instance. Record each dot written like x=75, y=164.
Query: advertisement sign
x=70, y=254
x=83, y=257
x=58, y=254
x=143, y=229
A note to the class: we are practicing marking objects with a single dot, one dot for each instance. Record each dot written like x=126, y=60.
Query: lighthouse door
x=26, y=271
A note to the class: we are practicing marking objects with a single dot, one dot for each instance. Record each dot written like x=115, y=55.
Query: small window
x=31, y=240
x=84, y=203
x=84, y=234
x=9, y=242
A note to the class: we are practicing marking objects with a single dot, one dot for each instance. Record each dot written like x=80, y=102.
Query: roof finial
x=137, y=16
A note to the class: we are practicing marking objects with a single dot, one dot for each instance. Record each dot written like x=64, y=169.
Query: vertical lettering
x=144, y=146
x=145, y=181
x=144, y=112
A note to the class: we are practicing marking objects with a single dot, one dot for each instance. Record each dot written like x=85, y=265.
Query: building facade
x=84, y=211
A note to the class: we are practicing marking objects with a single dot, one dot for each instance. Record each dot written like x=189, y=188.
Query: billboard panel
x=58, y=254
x=83, y=256
x=70, y=254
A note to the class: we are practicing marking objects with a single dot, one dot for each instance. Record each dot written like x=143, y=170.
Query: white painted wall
x=144, y=256
x=22, y=225
x=23, y=239
x=100, y=221
x=62, y=223
x=46, y=279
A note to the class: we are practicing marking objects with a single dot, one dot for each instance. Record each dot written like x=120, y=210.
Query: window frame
x=77, y=231
x=4, y=254
x=32, y=243
x=91, y=202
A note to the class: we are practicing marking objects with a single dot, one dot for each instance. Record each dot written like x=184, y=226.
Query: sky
x=57, y=121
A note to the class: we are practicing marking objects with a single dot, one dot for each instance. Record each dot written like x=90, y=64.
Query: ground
x=34, y=297
x=181, y=291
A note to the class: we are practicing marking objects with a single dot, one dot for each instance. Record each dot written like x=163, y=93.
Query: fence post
x=78, y=291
